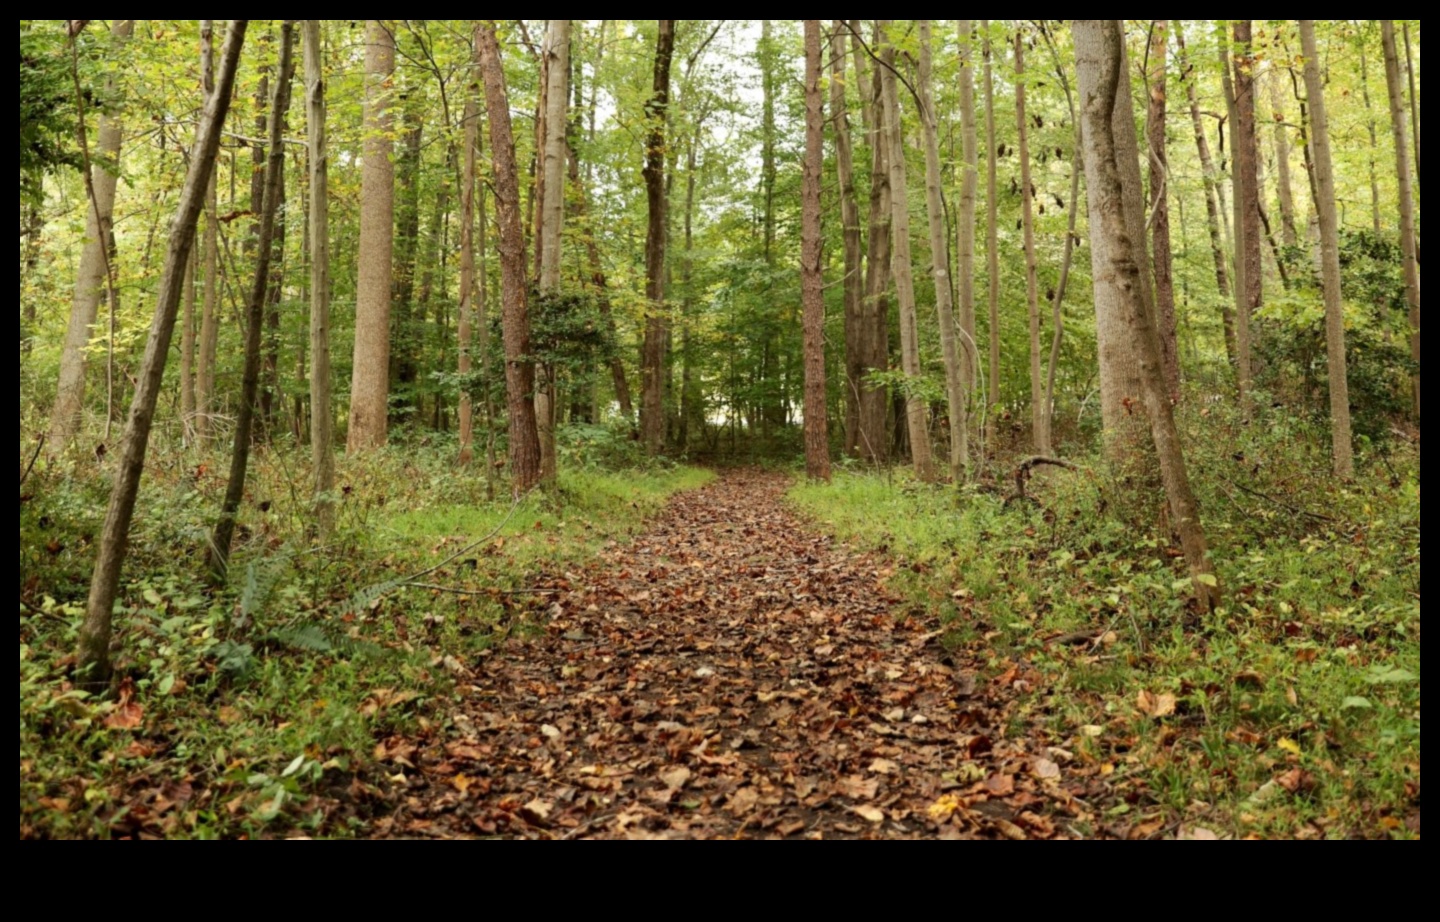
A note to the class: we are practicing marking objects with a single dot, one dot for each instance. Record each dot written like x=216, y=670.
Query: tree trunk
x=552, y=219
x=1160, y=206
x=224, y=533
x=850, y=219
x=602, y=289
x=1067, y=261
x=874, y=327
x=915, y=409
x=1409, y=245
x=1100, y=63
x=652, y=407
x=1414, y=77
x=468, y=283
x=274, y=294
x=322, y=410
x=817, y=432
x=1370, y=125
x=1039, y=413
x=1340, y=435
x=1249, y=284
x=519, y=362
x=93, y=648
x=404, y=370
x=965, y=225
x=992, y=245
x=1213, y=214
x=187, y=352
x=940, y=265
x=91, y=278
x=370, y=381
x=1288, y=229
x=209, y=310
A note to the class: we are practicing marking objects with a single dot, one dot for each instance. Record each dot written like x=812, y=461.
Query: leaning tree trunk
x=1160, y=207
x=552, y=219
x=519, y=360
x=322, y=411
x=91, y=278
x=370, y=383
x=1340, y=435
x=1249, y=286
x=854, y=285
x=93, y=648
x=817, y=433
x=1100, y=64
x=915, y=409
x=1409, y=245
x=224, y=534
x=1039, y=412
x=652, y=404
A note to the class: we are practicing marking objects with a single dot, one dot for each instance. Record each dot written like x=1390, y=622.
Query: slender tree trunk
x=1409, y=246
x=850, y=235
x=874, y=328
x=1067, y=261
x=992, y=243
x=519, y=363
x=322, y=410
x=1213, y=215
x=1288, y=229
x=370, y=381
x=1414, y=76
x=1160, y=206
x=1341, y=440
x=1248, y=265
x=1372, y=127
x=210, y=254
x=1100, y=63
x=552, y=219
x=468, y=283
x=817, y=433
x=602, y=288
x=274, y=294
x=915, y=409
x=255, y=320
x=1039, y=413
x=965, y=225
x=404, y=369
x=93, y=648
x=187, y=353
x=91, y=279
x=652, y=409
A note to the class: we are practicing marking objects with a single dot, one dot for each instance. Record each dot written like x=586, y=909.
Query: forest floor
x=733, y=673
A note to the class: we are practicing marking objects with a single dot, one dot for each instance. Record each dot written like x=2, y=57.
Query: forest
x=720, y=429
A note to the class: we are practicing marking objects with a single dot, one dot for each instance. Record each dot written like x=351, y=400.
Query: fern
x=313, y=637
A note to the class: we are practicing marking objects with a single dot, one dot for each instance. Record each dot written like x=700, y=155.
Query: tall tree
x=1039, y=412
x=210, y=255
x=519, y=361
x=940, y=262
x=1414, y=77
x=94, y=274
x=469, y=285
x=1249, y=281
x=224, y=533
x=874, y=325
x=93, y=647
x=652, y=404
x=370, y=383
x=965, y=222
x=1409, y=244
x=1340, y=436
x=1373, y=129
x=1100, y=64
x=1288, y=230
x=322, y=410
x=552, y=218
x=854, y=284
x=992, y=229
x=902, y=266
x=817, y=433
x=1160, y=204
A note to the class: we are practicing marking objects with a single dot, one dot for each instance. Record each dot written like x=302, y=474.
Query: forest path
x=728, y=674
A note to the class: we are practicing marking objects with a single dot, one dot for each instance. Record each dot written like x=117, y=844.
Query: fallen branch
x=39, y=446
x=1281, y=503
x=1025, y=471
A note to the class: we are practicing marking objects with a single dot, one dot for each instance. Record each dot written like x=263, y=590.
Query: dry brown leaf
x=869, y=814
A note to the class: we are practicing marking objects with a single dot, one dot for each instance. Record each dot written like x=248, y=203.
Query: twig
x=33, y=458
x=1282, y=504
x=1024, y=471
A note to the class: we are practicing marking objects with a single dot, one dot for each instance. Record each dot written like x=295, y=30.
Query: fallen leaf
x=127, y=714
x=743, y=801
x=1196, y=834
x=537, y=812
x=1156, y=706
x=675, y=779
x=1045, y=770
x=1000, y=785
x=884, y=767
x=859, y=788
x=869, y=814
x=1291, y=747
x=1297, y=781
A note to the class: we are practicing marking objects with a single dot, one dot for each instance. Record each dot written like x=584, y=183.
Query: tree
x=322, y=410
x=1409, y=244
x=95, y=272
x=965, y=223
x=469, y=285
x=652, y=371
x=1100, y=64
x=940, y=263
x=817, y=433
x=874, y=326
x=1249, y=283
x=1288, y=231
x=992, y=230
x=209, y=311
x=1039, y=412
x=902, y=267
x=93, y=648
x=1340, y=437
x=854, y=284
x=370, y=384
x=519, y=363
x=1160, y=204
x=224, y=533
x=552, y=219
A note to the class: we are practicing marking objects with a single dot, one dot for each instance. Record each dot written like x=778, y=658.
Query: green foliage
x=48, y=122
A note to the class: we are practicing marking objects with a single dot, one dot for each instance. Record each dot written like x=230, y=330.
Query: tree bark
x=874, y=327
x=1100, y=63
x=322, y=411
x=91, y=279
x=992, y=245
x=224, y=534
x=652, y=406
x=1413, y=72
x=1342, y=447
x=1248, y=265
x=468, y=282
x=1288, y=229
x=817, y=432
x=209, y=310
x=1160, y=206
x=93, y=648
x=1409, y=245
x=1370, y=124
x=370, y=381
x=965, y=224
x=519, y=363
x=552, y=220
x=187, y=353
x=1039, y=413
x=404, y=370
x=902, y=266
x=850, y=235
x=601, y=284
x=274, y=294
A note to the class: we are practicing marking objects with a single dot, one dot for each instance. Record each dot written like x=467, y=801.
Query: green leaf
x=167, y=684
x=1356, y=703
x=294, y=767
x=1208, y=579
x=1394, y=675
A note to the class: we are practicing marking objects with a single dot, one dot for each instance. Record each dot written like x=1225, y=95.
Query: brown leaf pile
x=730, y=674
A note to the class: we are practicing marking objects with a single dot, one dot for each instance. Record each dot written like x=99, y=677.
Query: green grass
x=260, y=706
x=1313, y=664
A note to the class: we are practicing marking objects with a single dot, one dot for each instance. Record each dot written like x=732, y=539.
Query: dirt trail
x=729, y=674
